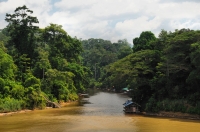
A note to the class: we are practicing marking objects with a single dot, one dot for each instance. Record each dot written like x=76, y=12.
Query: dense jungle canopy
x=162, y=73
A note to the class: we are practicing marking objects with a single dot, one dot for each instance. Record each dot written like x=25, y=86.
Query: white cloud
x=2, y=24
x=110, y=19
x=71, y=4
x=10, y=5
x=177, y=10
x=132, y=27
x=39, y=7
x=188, y=24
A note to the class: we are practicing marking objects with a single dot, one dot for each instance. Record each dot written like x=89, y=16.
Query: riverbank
x=63, y=104
x=173, y=115
x=15, y=112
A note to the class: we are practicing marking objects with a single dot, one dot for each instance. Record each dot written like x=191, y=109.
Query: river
x=103, y=113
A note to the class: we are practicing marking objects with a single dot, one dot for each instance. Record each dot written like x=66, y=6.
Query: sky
x=110, y=19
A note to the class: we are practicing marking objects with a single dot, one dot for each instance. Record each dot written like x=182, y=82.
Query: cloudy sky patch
x=110, y=19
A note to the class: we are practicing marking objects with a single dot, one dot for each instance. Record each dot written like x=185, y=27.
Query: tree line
x=47, y=63
x=38, y=63
x=163, y=73
x=99, y=53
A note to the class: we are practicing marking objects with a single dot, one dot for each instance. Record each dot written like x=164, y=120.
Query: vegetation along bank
x=39, y=64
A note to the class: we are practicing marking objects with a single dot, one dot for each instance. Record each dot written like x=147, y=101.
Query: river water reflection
x=103, y=113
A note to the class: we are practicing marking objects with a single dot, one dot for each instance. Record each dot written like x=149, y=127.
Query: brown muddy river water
x=104, y=113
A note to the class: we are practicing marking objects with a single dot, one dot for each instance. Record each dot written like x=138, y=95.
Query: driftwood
x=51, y=104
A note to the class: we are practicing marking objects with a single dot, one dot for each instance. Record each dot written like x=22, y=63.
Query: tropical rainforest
x=162, y=73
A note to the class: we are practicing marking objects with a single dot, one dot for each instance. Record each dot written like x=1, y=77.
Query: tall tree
x=64, y=53
x=62, y=45
x=22, y=30
x=144, y=41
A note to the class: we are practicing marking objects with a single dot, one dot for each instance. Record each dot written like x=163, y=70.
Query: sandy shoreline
x=15, y=112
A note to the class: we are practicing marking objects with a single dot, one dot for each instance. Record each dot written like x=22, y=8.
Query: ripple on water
x=103, y=114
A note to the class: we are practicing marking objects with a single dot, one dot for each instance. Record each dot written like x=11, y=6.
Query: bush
x=10, y=104
x=31, y=81
x=34, y=99
x=173, y=106
x=151, y=105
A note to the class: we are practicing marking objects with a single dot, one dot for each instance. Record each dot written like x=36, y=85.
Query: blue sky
x=110, y=19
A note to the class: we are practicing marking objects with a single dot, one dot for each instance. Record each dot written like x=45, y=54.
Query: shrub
x=10, y=104
x=151, y=105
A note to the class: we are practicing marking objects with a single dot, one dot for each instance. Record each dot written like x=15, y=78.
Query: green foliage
x=60, y=84
x=98, y=53
x=10, y=104
x=32, y=81
x=80, y=80
x=2, y=46
x=2, y=83
x=33, y=99
x=17, y=91
x=62, y=46
x=151, y=105
x=144, y=41
x=135, y=71
x=7, y=66
x=3, y=37
x=172, y=105
x=21, y=30
x=194, y=78
x=35, y=52
x=163, y=72
x=42, y=63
